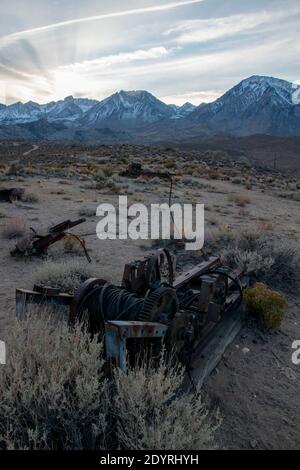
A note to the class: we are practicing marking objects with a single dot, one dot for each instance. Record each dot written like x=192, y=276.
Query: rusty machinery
x=36, y=244
x=150, y=305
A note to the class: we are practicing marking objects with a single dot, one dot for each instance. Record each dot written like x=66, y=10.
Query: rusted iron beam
x=195, y=272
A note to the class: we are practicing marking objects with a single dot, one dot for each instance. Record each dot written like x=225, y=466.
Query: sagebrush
x=54, y=395
x=66, y=275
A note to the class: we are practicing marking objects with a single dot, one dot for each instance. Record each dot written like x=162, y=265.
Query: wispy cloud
x=195, y=97
x=88, y=66
x=197, y=31
x=12, y=38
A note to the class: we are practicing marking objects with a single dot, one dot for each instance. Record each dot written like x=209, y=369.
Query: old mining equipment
x=151, y=306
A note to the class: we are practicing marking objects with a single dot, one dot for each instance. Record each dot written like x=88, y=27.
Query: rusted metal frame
x=26, y=297
x=185, y=278
x=117, y=333
x=67, y=225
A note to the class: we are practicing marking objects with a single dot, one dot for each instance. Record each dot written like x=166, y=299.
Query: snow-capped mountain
x=256, y=105
x=132, y=108
x=19, y=112
x=263, y=105
x=182, y=111
x=68, y=109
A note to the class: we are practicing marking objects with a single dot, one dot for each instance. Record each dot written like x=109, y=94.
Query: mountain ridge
x=256, y=105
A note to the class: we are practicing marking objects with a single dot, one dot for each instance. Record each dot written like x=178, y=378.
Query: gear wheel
x=162, y=300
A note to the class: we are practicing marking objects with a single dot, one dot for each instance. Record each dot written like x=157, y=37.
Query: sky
x=178, y=50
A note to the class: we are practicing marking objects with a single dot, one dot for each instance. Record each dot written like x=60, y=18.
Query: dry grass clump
x=14, y=228
x=266, y=305
x=53, y=395
x=66, y=275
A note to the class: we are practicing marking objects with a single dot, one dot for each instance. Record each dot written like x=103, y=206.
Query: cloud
x=195, y=97
x=12, y=38
x=88, y=66
x=198, y=31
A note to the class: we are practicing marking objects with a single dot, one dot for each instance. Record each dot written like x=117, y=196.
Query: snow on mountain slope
x=256, y=105
x=182, y=111
x=139, y=107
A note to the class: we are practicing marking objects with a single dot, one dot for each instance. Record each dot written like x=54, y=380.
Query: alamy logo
x=161, y=222
x=2, y=353
x=296, y=354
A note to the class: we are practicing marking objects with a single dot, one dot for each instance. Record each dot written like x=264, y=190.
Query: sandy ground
x=258, y=392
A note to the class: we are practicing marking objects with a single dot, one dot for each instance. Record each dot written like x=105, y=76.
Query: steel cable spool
x=98, y=301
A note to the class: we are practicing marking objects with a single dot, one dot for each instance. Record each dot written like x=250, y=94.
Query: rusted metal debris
x=152, y=306
x=37, y=245
x=140, y=275
x=11, y=195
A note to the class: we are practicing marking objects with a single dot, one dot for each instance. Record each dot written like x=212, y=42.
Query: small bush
x=53, y=395
x=239, y=199
x=296, y=197
x=87, y=211
x=153, y=414
x=67, y=275
x=236, y=180
x=14, y=228
x=52, y=392
x=272, y=261
x=266, y=305
x=30, y=197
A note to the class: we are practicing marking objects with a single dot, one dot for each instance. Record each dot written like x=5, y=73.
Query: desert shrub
x=52, y=392
x=15, y=169
x=53, y=395
x=87, y=211
x=153, y=414
x=30, y=197
x=219, y=238
x=258, y=253
x=14, y=228
x=108, y=171
x=236, y=180
x=66, y=275
x=266, y=305
x=170, y=164
x=3, y=167
x=296, y=196
x=239, y=199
